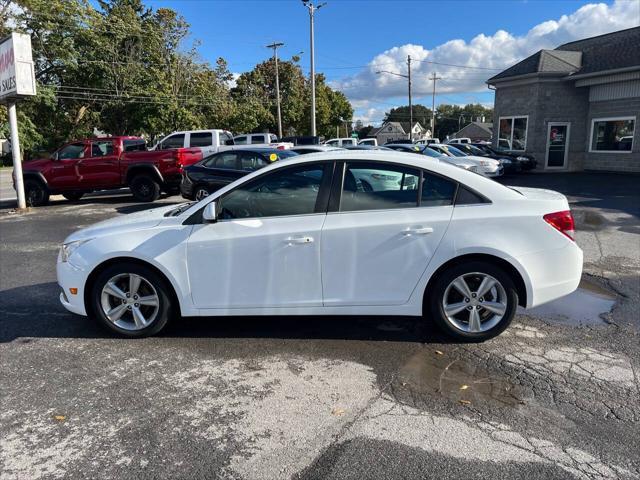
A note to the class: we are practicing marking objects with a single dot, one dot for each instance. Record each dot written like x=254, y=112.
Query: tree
x=421, y=114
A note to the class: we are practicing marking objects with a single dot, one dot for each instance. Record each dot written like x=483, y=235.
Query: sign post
x=17, y=80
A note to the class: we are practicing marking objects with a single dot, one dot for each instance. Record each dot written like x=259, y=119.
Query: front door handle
x=417, y=231
x=298, y=240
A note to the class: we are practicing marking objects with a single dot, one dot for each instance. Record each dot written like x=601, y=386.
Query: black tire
x=435, y=301
x=35, y=192
x=144, y=188
x=172, y=191
x=165, y=310
x=73, y=196
x=197, y=189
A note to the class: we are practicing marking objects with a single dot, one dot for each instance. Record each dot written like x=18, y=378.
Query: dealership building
x=576, y=107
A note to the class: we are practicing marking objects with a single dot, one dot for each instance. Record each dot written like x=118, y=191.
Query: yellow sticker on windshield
x=417, y=149
x=273, y=157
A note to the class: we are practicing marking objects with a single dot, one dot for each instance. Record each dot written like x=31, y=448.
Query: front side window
x=101, y=149
x=201, y=139
x=226, y=161
x=226, y=139
x=273, y=138
x=378, y=186
x=174, y=141
x=257, y=139
x=287, y=191
x=612, y=135
x=513, y=133
x=71, y=152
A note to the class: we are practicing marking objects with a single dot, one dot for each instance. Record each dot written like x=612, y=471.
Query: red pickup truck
x=94, y=164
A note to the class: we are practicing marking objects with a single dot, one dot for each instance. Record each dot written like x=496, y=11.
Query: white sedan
x=486, y=166
x=303, y=237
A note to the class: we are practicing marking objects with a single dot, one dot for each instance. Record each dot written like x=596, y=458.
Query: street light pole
x=410, y=106
x=312, y=9
x=408, y=77
x=434, y=78
x=275, y=46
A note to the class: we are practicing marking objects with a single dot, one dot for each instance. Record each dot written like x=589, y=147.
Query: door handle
x=298, y=240
x=417, y=231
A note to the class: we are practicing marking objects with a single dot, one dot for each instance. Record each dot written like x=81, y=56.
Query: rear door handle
x=417, y=231
x=298, y=240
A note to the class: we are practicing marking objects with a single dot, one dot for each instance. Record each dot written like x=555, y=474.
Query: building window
x=513, y=133
x=612, y=134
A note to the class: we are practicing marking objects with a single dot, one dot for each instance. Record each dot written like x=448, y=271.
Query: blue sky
x=353, y=38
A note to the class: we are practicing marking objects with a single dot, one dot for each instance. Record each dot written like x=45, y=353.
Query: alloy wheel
x=474, y=302
x=130, y=301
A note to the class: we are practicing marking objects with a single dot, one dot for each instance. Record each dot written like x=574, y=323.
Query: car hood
x=36, y=163
x=477, y=160
x=122, y=224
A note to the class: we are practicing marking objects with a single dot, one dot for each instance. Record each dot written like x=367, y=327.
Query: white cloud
x=497, y=51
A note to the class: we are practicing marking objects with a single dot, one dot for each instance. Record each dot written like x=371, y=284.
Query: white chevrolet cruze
x=303, y=237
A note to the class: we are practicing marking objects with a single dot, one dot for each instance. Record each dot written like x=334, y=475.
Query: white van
x=342, y=142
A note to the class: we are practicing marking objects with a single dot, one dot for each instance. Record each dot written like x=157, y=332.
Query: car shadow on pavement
x=34, y=311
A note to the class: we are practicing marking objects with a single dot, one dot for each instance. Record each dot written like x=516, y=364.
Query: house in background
x=575, y=107
x=392, y=131
x=476, y=131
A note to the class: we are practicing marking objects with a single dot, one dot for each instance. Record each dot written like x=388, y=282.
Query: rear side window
x=252, y=161
x=201, y=139
x=240, y=140
x=436, y=191
x=257, y=139
x=102, y=148
x=134, y=145
x=174, y=141
x=466, y=196
x=378, y=186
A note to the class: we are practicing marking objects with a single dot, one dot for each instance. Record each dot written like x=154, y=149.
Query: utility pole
x=410, y=106
x=433, y=78
x=275, y=46
x=15, y=153
x=408, y=77
x=312, y=10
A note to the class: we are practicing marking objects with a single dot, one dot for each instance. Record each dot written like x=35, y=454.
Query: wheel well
x=36, y=178
x=142, y=169
x=505, y=265
x=114, y=261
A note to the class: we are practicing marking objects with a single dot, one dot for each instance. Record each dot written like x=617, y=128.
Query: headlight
x=68, y=248
x=505, y=161
x=485, y=163
x=522, y=159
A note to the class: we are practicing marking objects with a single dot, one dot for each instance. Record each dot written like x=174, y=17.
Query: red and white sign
x=17, y=76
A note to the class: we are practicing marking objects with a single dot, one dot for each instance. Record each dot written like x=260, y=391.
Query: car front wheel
x=145, y=188
x=131, y=300
x=36, y=194
x=473, y=302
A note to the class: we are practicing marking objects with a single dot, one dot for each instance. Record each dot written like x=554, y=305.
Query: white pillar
x=15, y=153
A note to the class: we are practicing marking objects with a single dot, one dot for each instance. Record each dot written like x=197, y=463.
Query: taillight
x=180, y=160
x=563, y=222
x=280, y=147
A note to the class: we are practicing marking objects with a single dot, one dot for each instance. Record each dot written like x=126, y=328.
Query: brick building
x=576, y=107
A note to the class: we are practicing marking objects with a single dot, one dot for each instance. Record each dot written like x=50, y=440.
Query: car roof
x=256, y=149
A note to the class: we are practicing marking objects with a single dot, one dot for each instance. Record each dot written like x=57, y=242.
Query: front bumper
x=492, y=171
x=70, y=277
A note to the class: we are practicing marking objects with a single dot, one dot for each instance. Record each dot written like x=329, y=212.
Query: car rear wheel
x=200, y=193
x=73, y=196
x=131, y=300
x=145, y=188
x=36, y=194
x=473, y=302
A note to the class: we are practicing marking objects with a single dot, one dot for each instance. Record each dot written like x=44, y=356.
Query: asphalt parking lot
x=556, y=396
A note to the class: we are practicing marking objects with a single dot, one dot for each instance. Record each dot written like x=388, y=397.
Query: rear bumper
x=552, y=274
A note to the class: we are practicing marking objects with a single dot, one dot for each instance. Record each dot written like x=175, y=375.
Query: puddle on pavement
x=582, y=307
x=460, y=380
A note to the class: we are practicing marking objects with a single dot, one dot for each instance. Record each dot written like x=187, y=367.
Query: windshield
x=454, y=151
x=286, y=153
x=432, y=153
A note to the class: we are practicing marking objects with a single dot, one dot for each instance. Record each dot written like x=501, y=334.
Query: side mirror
x=54, y=156
x=209, y=213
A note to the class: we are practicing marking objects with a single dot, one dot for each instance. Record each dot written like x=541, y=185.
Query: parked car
x=302, y=140
x=341, y=142
x=304, y=149
x=398, y=141
x=93, y=164
x=456, y=141
x=261, y=140
x=222, y=168
x=486, y=166
x=373, y=142
x=209, y=141
x=508, y=164
x=422, y=149
x=526, y=161
x=426, y=141
x=465, y=262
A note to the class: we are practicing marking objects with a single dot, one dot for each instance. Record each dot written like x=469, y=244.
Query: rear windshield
x=286, y=154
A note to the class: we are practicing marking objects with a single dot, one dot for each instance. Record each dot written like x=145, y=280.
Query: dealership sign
x=17, y=77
